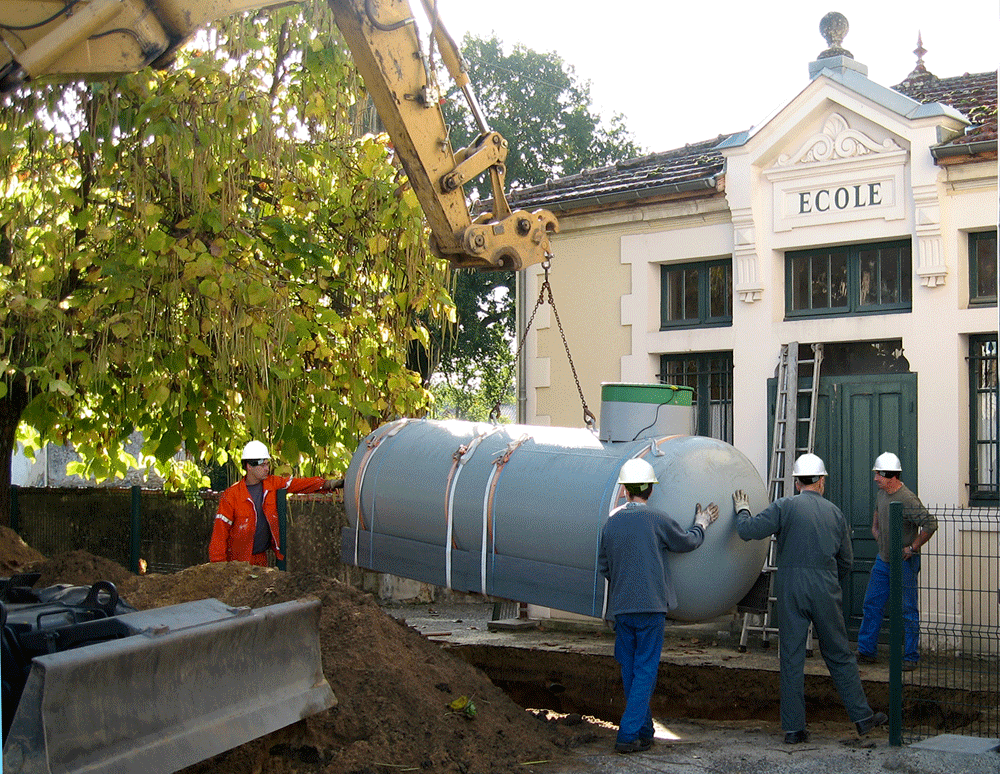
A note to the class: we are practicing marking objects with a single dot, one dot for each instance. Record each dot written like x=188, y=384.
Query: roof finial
x=834, y=28
x=920, y=72
x=920, y=51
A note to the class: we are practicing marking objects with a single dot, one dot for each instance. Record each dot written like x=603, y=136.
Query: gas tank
x=516, y=511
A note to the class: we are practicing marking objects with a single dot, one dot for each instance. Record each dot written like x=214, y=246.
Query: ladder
x=794, y=434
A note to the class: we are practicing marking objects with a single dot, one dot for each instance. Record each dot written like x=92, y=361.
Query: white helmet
x=809, y=465
x=637, y=471
x=887, y=461
x=255, y=450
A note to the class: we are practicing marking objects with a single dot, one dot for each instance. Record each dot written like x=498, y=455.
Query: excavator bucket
x=178, y=685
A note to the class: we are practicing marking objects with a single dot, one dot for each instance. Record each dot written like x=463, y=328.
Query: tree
x=537, y=103
x=208, y=254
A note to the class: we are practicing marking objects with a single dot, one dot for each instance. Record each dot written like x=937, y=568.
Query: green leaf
x=60, y=386
x=209, y=288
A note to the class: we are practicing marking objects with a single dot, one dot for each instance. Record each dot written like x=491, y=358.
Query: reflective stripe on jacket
x=236, y=521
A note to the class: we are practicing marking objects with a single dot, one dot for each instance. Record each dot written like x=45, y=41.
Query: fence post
x=135, y=530
x=282, y=502
x=896, y=624
x=15, y=508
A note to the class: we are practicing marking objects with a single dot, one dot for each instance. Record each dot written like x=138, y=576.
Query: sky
x=686, y=72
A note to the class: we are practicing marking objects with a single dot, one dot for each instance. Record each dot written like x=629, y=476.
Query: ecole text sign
x=799, y=201
x=843, y=197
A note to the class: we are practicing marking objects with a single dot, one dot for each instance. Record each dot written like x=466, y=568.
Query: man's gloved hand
x=741, y=501
x=705, y=517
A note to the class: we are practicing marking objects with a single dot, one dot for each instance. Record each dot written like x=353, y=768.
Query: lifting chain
x=545, y=293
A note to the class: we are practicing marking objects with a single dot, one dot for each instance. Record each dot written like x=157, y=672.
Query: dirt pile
x=15, y=555
x=393, y=685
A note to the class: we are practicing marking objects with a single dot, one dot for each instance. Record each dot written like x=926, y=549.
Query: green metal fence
x=165, y=531
x=956, y=686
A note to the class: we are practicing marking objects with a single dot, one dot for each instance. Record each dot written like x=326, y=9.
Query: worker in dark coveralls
x=632, y=557
x=814, y=557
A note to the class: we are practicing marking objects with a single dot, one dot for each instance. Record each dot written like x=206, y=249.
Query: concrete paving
x=737, y=747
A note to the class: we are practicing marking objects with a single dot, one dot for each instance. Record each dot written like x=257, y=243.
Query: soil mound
x=15, y=555
x=77, y=568
x=393, y=686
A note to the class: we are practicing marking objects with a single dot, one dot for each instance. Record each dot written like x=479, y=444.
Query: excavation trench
x=589, y=684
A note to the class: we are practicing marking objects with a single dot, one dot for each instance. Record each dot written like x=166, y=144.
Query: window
x=855, y=280
x=983, y=268
x=711, y=376
x=984, y=437
x=696, y=294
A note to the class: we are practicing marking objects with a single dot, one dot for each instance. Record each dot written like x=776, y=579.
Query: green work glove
x=741, y=501
x=705, y=517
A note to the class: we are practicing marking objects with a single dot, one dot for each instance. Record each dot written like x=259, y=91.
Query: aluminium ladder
x=789, y=427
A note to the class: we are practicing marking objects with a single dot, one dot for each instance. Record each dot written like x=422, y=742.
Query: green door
x=858, y=418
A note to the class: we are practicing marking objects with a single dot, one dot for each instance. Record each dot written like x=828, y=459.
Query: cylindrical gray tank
x=516, y=511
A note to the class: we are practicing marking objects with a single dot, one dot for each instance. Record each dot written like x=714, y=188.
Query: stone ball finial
x=833, y=27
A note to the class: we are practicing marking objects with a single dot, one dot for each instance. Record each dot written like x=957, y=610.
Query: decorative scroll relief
x=837, y=141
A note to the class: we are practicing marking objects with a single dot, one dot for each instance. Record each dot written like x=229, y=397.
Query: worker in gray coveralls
x=814, y=556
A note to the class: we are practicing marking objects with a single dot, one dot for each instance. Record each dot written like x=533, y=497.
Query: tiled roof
x=693, y=167
x=975, y=96
x=699, y=167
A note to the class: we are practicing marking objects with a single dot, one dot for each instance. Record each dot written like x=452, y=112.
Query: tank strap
x=374, y=442
x=462, y=455
x=489, y=541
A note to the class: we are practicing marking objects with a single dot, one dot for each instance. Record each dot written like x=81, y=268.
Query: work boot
x=864, y=658
x=909, y=666
x=876, y=720
x=636, y=745
x=797, y=737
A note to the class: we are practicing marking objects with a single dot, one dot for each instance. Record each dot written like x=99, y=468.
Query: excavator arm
x=101, y=38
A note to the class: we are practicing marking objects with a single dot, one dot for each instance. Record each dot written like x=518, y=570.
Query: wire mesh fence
x=956, y=685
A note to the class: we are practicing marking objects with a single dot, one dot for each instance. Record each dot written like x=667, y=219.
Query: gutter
x=964, y=149
x=599, y=200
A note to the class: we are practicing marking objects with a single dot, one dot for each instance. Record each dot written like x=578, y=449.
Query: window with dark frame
x=696, y=294
x=983, y=268
x=984, y=421
x=850, y=280
x=710, y=374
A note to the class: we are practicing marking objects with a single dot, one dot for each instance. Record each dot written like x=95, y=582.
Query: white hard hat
x=887, y=461
x=637, y=471
x=255, y=450
x=809, y=465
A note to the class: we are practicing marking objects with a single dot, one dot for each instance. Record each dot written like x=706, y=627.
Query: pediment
x=837, y=140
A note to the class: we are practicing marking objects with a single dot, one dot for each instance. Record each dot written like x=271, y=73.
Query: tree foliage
x=536, y=101
x=209, y=254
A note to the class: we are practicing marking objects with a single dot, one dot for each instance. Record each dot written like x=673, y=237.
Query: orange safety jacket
x=236, y=521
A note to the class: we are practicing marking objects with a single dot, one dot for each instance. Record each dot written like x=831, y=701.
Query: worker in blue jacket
x=632, y=556
x=814, y=557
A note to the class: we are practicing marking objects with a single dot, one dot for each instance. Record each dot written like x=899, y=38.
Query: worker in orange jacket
x=247, y=522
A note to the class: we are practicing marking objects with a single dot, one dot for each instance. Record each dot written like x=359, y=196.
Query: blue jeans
x=638, y=642
x=876, y=598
